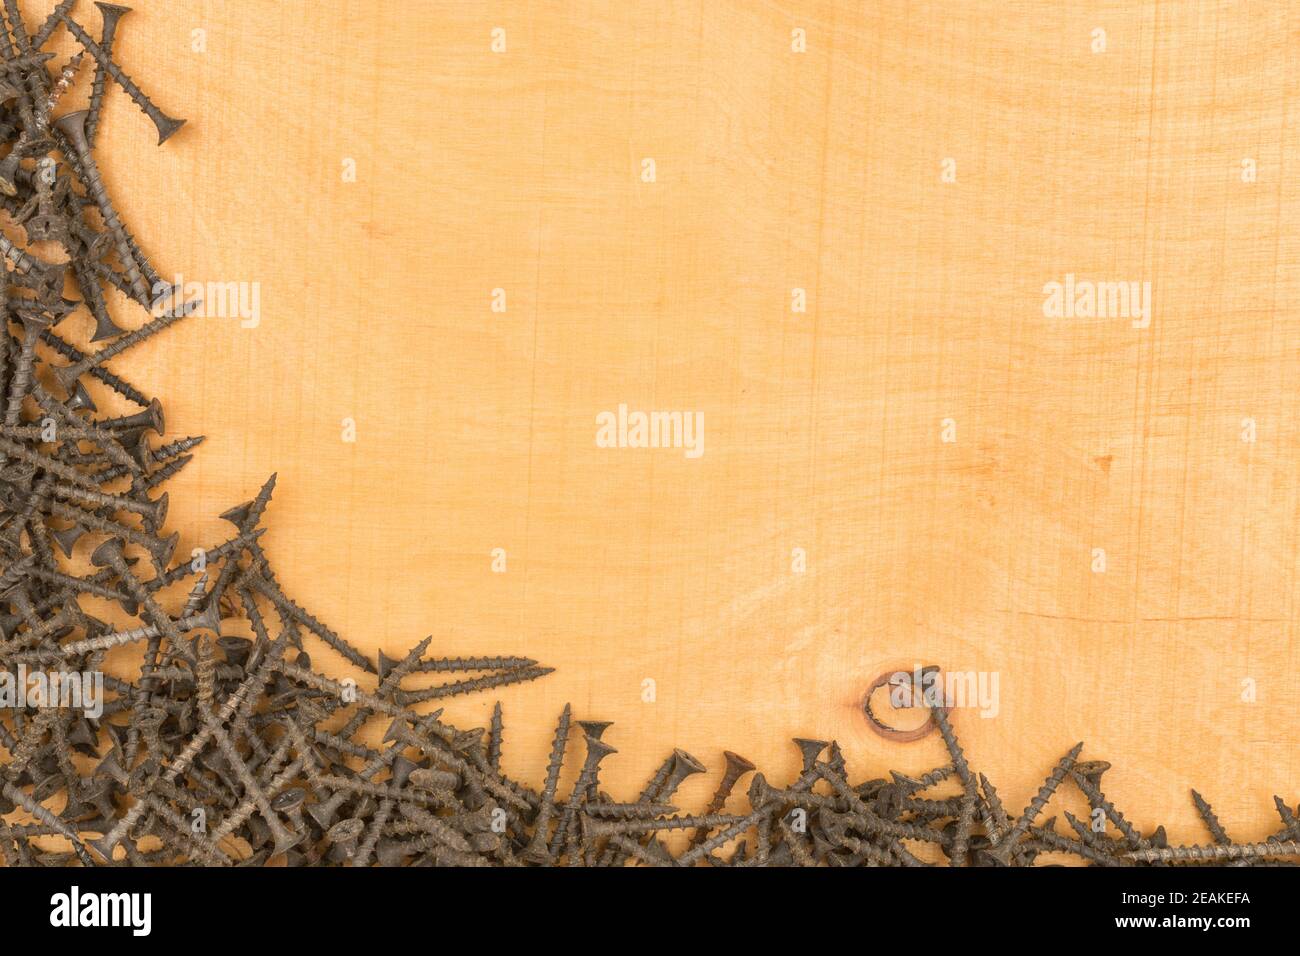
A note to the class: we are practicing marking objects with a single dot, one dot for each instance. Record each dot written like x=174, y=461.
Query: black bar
x=337, y=906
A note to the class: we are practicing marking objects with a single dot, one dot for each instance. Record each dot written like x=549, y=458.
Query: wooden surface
x=775, y=170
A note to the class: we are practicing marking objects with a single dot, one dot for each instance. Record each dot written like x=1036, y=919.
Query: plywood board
x=824, y=430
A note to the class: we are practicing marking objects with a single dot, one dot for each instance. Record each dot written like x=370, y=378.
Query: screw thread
x=67, y=76
x=1044, y=794
x=75, y=355
x=1098, y=799
x=278, y=598
x=51, y=23
x=166, y=472
x=99, y=84
x=1235, y=851
x=960, y=767
x=446, y=664
x=473, y=685
x=495, y=730
x=129, y=86
x=1217, y=833
x=51, y=821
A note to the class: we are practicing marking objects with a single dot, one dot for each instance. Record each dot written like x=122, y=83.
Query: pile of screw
x=227, y=750
x=202, y=751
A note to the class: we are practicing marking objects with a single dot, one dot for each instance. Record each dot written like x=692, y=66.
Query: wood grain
x=775, y=170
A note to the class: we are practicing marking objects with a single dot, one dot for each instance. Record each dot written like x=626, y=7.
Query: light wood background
x=775, y=170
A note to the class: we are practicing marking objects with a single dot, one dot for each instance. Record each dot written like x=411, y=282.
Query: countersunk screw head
x=810, y=750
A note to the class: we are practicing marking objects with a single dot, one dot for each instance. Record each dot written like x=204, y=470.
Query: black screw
x=165, y=124
x=73, y=128
x=112, y=13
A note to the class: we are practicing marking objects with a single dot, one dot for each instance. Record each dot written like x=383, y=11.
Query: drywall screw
x=1290, y=826
x=1092, y=770
x=154, y=512
x=445, y=664
x=667, y=779
x=17, y=796
x=109, y=554
x=284, y=839
x=1099, y=801
x=28, y=746
x=179, y=447
x=1204, y=854
x=597, y=750
x=343, y=838
x=1052, y=840
x=1103, y=845
x=166, y=472
x=627, y=811
x=322, y=683
x=210, y=556
x=66, y=78
x=33, y=325
x=277, y=597
x=912, y=785
x=961, y=830
x=1002, y=852
x=112, y=13
x=73, y=128
x=603, y=828
x=289, y=802
x=75, y=355
x=151, y=418
x=105, y=327
x=625, y=847
x=6, y=45
x=994, y=816
x=207, y=620
x=922, y=806
x=366, y=848
x=391, y=674
x=473, y=685
x=684, y=765
x=245, y=517
x=51, y=23
x=205, y=674
x=359, y=787
x=495, y=730
x=33, y=830
x=47, y=463
x=427, y=778
x=940, y=717
x=736, y=767
x=835, y=759
x=19, y=28
x=91, y=585
x=810, y=750
x=165, y=124
x=798, y=849
x=1217, y=833
x=537, y=851
x=160, y=548
x=66, y=375
x=435, y=827
x=194, y=601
